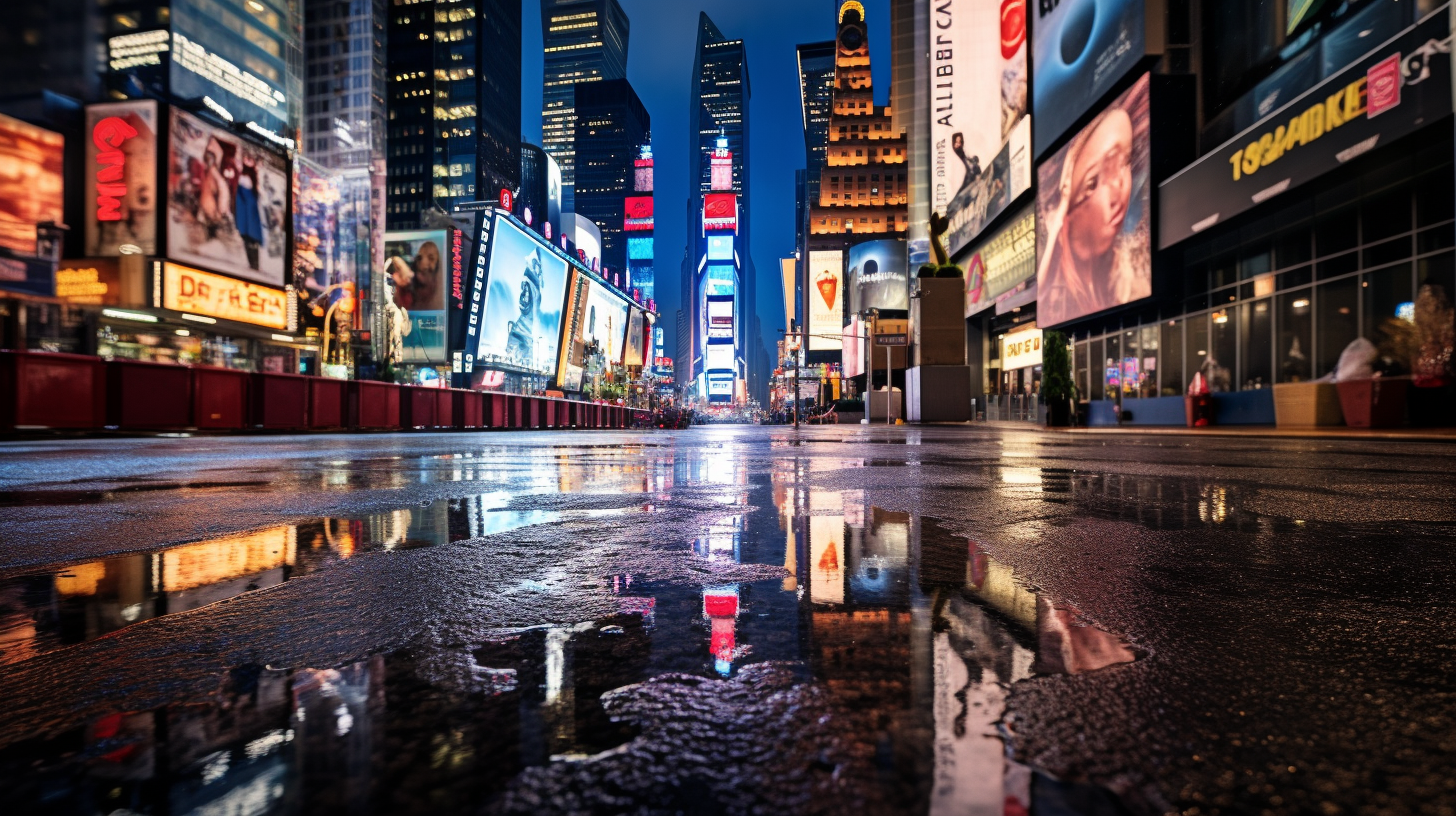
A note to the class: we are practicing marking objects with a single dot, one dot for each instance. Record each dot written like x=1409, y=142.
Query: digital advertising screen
x=980, y=130
x=553, y=198
x=606, y=321
x=878, y=276
x=227, y=202
x=718, y=357
x=524, y=296
x=31, y=182
x=1093, y=214
x=720, y=317
x=826, y=299
x=720, y=211
x=638, y=214
x=1080, y=50
x=121, y=178
x=1003, y=264
x=196, y=292
x=415, y=283
x=639, y=248
x=720, y=248
x=636, y=352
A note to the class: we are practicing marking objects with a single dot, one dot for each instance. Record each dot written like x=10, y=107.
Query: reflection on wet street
x=879, y=663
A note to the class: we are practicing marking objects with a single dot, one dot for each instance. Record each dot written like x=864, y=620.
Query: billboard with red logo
x=121, y=178
x=720, y=211
x=638, y=214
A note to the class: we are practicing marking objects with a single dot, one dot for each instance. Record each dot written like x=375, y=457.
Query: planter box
x=327, y=403
x=46, y=390
x=373, y=404
x=938, y=321
x=148, y=396
x=1374, y=403
x=1307, y=405
x=219, y=398
x=280, y=401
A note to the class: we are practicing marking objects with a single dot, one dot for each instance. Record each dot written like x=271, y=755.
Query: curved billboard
x=524, y=295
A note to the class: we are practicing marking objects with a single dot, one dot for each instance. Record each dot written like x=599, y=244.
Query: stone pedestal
x=938, y=394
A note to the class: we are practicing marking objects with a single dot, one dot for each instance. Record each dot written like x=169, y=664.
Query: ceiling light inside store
x=183, y=333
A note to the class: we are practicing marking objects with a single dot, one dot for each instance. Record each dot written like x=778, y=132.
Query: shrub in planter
x=1057, y=390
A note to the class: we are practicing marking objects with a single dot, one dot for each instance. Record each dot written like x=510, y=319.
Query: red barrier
x=373, y=405
x=417, y=407
x=45, y=390
x=219, y=398
x=280, y=401
x=516, y=407
x=327, y=403
x=467, y=409
x=563, y=413
x=148, y=396
x=496, y=414
x=532, y=413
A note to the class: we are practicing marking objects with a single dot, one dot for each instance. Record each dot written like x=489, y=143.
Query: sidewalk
x=1245, y=431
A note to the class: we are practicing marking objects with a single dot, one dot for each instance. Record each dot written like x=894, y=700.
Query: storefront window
x=1112, y=365
x=1223, y=355
x=1336, y=232
x=1257, y=322
x=1148, y=344
x=1337, y=321
x=1438, y=269
x=1079, y=360
x=1382, y=292
x=1195, y=348
x=1294, y=347
x=1171, y=346
x=1095, y=370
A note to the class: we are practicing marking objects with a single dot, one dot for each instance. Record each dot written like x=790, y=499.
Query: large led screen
x=121, y=178
x=719, y=357
x=227, y=202
x=1004, y=264
x=524, y=296
x=720, y=247
x=720, y=317
x=606, y=321
x=636, y=352
x=1093, y=239
x=826, y=299
x=31, y=178
x=415, y=281
x=878, y=276
x=1080, y=50
x=980, y=132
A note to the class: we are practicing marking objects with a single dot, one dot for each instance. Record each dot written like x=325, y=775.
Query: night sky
x=659, y=64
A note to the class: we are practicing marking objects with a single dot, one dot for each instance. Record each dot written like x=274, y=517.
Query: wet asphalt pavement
x=728, y=620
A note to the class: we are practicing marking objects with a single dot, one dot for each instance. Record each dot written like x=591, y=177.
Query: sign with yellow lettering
x=1392, y=91
x=1021, y=349
x=191, y=290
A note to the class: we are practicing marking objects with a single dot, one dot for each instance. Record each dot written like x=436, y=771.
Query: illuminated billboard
x=636, y=352
x=720, y=211
x=720, y=247
x=121, y=178
x=719, y=357
x=606, y=321
x=825, y=298
x=639, y=248
x=31, y=181
x=1093, y=241
x=415, y=282
x=638, y=214
x=1004, y=264
x=524, y=295
x=720, y=317
x=196, y=292
x=553, y=226
x=878, y=276
x=227, y=202
x=980, y=133
x=1081, y=49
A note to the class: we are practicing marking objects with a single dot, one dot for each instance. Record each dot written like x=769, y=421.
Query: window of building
x=1224, y=347
x=1294, y=346
x=1171, y=379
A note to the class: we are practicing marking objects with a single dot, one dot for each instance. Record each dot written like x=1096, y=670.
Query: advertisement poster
x=636, y=340
x=1393, y=91
x=31, y=181
x=1093, y=236
x=227, y=203
x=878, y=276
x=1081, y=49
x=606, y=322
x=720, y=317
x=197, y=292
x=121, y=178
x=415, y=282
x=826, y=299
x=325, y=228
x=525, y=293
x=980, y=132
x=1004, y=264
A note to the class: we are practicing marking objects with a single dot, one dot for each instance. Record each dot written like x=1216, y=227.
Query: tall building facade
x=816, y=103
x=52, y=46
x=344, y=87
x=585, y=41
x=719, y=276
x=454, y=105
x=612, y=127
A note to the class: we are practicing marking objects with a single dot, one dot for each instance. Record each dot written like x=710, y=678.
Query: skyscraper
x=344, y=82
x=718, y=211
x=51, y=46
x=612, y=127
x=816, y=100
x=585, y=41
x=454, y=96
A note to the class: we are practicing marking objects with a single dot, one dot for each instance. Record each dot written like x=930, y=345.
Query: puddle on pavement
x=899, y=621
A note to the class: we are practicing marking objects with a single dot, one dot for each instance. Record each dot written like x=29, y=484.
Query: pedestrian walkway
x=1247, y=431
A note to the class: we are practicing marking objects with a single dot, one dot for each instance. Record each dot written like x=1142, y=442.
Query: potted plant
x=1056, y=380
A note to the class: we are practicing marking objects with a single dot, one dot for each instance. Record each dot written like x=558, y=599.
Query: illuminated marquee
x=720, y=211
x=639, y=214
x=191, y=290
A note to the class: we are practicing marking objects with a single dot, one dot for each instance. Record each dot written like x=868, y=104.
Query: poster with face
x=121, y=178
x=1093, y=210
x=525, y=294
x=980, y=130
x=826, y=299
x=415, y=281
x=878, y=276
x=31, y=181
x=227, y=202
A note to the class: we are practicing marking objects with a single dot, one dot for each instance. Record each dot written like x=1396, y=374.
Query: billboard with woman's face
x=415, y=280
x=227, y=202
x=1093, y=238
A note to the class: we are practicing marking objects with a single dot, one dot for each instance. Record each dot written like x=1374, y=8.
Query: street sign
x=891, y=340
